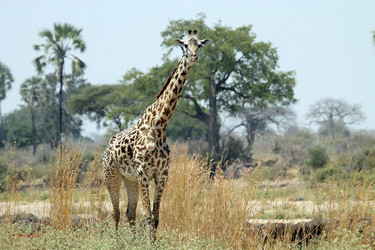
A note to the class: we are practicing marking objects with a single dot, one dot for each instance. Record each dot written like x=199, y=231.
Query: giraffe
x=140, y=154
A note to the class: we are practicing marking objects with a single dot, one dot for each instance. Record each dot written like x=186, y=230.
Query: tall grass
x=95, y=192
x=197, y=211
x=196, y=205
x=63, y=172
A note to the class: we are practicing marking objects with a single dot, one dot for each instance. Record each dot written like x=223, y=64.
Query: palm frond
x=78, y=66
x=40, y=63
x=59, y=41
x=48, y=35
x=78, y=43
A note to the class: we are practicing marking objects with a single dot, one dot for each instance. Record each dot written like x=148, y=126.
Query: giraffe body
x=140, y=153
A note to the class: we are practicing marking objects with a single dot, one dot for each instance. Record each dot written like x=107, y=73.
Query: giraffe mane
x=167, y=83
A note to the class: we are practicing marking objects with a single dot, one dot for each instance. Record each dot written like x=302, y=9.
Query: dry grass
x=63, y=180
x=208, y=212
x=197, y=205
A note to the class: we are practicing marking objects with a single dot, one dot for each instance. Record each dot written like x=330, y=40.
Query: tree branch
x=200, y=114
x=234, y=90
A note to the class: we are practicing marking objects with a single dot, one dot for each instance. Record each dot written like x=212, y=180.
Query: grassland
x=197, y=212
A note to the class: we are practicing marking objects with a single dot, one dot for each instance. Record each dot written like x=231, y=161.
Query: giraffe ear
x=180, y=42
x=205, y=42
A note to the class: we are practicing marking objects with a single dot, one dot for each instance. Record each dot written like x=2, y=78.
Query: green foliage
x=327, y=173
x=294, y=144
x=63, y=38
x=364, y=159
x=234, y=149
x=346, y=239
x=235, y=65
x=123, y=103
x=95, y=237
x=6, y=80
x=3, y=172
x=182, y=127
x=57, y=49
x=31, y=89
x=47, y=125
x=333, y=128
x=317, y=157
x=232, y=71
x=94, y=101
x=17, y=127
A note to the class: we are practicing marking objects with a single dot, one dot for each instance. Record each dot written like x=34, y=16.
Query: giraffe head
x=192, y=45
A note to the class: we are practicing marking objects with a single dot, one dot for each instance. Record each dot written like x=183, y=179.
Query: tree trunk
x=250, y=136
x=33, y=125
x=1, y=129
x=61, y=79
x=213, y=128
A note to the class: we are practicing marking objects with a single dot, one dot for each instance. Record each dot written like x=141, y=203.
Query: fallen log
x=298, y=231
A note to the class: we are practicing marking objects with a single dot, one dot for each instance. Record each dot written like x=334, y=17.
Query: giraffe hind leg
x=132, y=189
x=113, y=183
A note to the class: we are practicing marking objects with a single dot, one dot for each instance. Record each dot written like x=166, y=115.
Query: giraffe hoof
x=156, y=224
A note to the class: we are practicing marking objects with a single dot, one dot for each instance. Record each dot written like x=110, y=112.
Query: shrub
x=328, y=173
x=317, y=157
x=3, y=172
x=294, y=144
x=234, y=149
x=364, y=159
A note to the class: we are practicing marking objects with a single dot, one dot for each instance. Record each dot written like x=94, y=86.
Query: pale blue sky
x=328, y=43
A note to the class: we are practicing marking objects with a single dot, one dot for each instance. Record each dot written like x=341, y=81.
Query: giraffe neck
x=158, y=114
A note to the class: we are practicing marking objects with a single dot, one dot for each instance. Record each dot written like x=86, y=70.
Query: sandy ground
x=264, y=208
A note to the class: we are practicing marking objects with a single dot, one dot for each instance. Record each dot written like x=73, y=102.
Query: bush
x=234, y=150
x=328, y=173
x=317, y=157
x=3, y=172
x=364, y=159
x=294, y=144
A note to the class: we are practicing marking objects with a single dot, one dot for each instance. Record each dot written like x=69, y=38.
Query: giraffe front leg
x=160, y=183
x=143, y=181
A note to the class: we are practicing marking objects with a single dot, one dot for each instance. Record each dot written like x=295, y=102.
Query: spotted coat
x=140, y=153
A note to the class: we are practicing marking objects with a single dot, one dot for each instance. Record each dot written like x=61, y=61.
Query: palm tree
x=57, y=47
x=30, y=91
x=6, y=80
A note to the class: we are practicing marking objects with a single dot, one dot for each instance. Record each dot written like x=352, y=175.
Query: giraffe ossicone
x=140, y=154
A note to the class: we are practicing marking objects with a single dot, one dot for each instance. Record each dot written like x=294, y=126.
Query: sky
x=328, y=43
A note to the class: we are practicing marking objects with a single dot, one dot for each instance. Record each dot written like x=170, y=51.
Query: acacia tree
x=121, y=104
x=30, y=92
x=6, y=80
x=103, y=103
x=333, y=115
x=234, y=69
x=57, y=47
